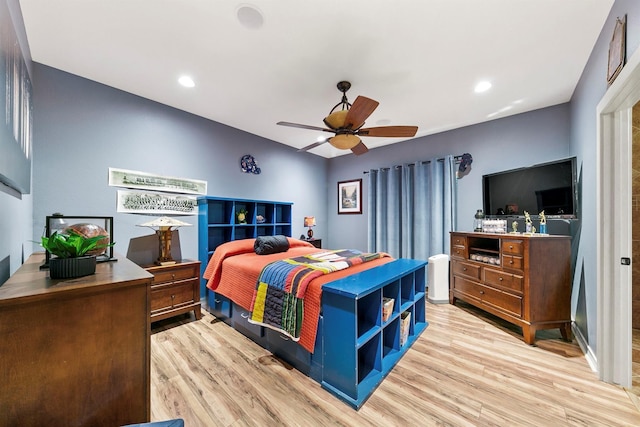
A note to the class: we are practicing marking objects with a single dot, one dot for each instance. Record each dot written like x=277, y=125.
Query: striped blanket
x=280, y=289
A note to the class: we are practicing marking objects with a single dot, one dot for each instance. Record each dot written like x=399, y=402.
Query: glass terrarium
x=88, y=226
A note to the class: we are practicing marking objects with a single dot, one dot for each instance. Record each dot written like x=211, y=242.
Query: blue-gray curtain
x=412, y=208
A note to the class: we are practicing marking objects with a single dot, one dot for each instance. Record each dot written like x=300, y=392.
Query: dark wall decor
x=15, y=109
x=617, y=49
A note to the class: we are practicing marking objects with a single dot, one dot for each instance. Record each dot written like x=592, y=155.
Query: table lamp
x=163, y=227
x=310, y=221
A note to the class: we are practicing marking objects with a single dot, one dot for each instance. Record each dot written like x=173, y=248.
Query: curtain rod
x=456, y=159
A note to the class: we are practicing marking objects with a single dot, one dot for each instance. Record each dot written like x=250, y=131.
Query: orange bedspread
x=234, y=268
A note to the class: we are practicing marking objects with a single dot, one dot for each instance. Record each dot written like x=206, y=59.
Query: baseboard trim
x=592, y=360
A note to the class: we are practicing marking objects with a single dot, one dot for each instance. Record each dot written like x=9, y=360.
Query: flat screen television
x=549, y=186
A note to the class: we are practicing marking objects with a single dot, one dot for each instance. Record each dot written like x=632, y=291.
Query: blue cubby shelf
x=217, y=224
x=361, y=349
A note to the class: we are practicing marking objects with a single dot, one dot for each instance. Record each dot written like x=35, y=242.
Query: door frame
x=613, y=224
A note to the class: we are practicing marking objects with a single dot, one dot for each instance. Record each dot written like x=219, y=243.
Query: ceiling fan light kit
x=347, y=124
x=344, y=141
x=336, y=119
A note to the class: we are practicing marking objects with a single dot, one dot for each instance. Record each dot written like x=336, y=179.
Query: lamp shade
x=164, y=223
x=309, y=221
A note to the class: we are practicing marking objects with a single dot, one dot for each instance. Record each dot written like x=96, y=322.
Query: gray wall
x=83, y=128
x=588, y=93
x=511, y=142
x=15, y=210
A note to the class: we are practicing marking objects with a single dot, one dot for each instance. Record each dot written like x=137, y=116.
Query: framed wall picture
x=617, y=50
x=350, y=197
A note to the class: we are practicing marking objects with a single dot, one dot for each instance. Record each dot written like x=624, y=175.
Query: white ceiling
x=419, y=58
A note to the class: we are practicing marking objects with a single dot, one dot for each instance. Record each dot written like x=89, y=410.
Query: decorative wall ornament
x=147, y=181
x=617, y=49
x=151, y=203
x=465, y=166
x=249, y=165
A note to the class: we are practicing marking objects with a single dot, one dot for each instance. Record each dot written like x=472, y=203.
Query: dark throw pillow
x=266, y=245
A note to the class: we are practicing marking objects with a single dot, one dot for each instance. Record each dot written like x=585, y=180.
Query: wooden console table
x=75, y=352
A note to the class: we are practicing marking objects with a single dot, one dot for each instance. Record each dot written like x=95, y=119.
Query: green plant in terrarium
x=71, y=244
x=242, y=216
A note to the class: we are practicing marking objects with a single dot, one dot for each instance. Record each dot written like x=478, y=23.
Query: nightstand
x=175, y=289
x=316, y=242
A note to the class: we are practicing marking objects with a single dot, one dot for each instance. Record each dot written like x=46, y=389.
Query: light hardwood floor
x=467, y=369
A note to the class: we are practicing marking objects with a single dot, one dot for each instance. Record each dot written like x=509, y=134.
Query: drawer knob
x=500, y=279
x=464, y=268
x=510, y=246
x=481, y=292
x=173, y=276
x=510, y=261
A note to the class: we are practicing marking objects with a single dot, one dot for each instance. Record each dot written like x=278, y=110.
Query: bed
x=357, y=291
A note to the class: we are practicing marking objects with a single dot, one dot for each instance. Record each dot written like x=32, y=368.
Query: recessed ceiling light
x=186, y=81
x=250, y=17
x=482, y=87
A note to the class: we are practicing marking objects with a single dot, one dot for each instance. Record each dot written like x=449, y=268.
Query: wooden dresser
x=175, y=289
x=75, y=352
x=525, y=280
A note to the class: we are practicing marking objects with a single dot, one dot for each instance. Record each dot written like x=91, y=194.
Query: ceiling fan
x=346, y=123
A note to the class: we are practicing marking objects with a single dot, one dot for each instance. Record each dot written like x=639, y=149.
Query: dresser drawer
x=173, y=274
x=459, y=241
x=513, y=247
x=503, y=280
x=491, y=297
x=240, y=318
x=466, y=269
x=513, y=262
x=458, y=252
x=173, y=295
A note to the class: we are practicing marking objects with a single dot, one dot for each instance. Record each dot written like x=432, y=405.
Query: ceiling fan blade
x=360, y=110
x=314, y=145
x=359, y=149
x=297, y=125
x=389, y=131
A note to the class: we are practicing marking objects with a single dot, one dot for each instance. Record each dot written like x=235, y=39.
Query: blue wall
x=82, y=128
x=516, y=141
x=16, y=211
x=588, y=93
